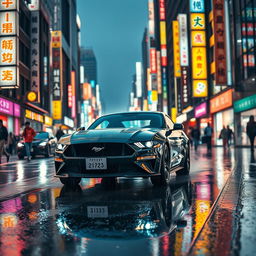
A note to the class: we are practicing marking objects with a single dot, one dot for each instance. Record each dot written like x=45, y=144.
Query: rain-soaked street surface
x=230, y=229
x=42, y=217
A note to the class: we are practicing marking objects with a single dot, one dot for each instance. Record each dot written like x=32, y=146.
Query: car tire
x=164, y=178
x=109, y=182
x=186, y=169
x=74, y=181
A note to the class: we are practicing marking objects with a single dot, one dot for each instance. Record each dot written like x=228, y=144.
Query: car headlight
x=147, y=144
x=43, y=144
x=20, y=145
x=60, y=147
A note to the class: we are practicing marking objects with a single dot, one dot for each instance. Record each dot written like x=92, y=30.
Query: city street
x=40, y=216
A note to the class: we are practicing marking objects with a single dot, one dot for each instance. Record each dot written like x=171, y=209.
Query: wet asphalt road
x=39, y=216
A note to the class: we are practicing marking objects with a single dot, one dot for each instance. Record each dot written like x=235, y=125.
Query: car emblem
x=96, y=150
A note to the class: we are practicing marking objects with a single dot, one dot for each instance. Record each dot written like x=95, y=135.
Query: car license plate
x=96, y=163
x=97, y=211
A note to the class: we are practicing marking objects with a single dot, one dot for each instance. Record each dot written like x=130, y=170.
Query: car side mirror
x=178, y=126
x=80, y=129
x=168, y=133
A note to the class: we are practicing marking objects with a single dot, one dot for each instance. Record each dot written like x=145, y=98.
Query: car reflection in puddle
x=125, y=214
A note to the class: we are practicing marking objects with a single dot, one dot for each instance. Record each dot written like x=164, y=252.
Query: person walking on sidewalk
x=11, y=141
x=251, y=131
x=3, y=140
x=230, y=135
x=208, y=137
x=28, y=135
x=59, y=133
x=195, y=134
x=224, y=136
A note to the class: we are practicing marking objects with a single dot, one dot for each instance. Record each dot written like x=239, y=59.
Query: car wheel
x=74, y=181
x=165, y=177
x=186, y=168
x=109, y=182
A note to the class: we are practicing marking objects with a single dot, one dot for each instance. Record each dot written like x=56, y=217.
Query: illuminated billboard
x=183, y=40
x=176, y=48
x=9, y=72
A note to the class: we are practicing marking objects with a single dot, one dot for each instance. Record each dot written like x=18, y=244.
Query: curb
x=213, y=208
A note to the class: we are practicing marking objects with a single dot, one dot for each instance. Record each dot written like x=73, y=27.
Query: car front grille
x=98, y=150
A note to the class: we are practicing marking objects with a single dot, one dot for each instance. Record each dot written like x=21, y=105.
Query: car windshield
x=129, y=120
x=41, y=135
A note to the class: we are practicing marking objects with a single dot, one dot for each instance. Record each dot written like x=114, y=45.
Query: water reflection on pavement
x=130, y=219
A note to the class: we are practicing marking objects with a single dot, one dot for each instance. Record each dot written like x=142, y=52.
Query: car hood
x=114, y=135
x=37, y=141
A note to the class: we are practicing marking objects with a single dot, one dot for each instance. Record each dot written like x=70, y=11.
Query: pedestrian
x=28, y=135
x=11, y=141
x=251, y=131
x=59, y=133
x=190, y=129
x=195, y=134
x=208, y=137
x=230, y=135
x=3, y=141
x=224, y=136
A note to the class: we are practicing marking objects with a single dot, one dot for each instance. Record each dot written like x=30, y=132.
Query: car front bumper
x=143, y=163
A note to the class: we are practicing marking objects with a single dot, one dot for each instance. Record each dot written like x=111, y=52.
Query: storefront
x=201, y=115
x=243, y=109
x=222, y=113
x=69, y=124
x=10, y=114
x=48, y=121
x=36, y=120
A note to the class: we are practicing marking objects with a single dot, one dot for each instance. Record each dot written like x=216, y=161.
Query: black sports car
x=133, y=144
x=43, y=144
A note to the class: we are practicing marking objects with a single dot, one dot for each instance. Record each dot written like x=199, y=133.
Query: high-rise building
x=88, y=60
x=66, y=63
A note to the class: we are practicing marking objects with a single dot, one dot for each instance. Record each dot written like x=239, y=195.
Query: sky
x=114, y=29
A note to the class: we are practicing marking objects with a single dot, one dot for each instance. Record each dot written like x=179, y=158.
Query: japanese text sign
x=8, y=77
x=197, y=21
x=163, y=43
x=184, y=86
x=197, y=6
x=8, y=51
x=220, y=42
x=162, y=9
x=35, y=52
x=183, y=40
x=176, y=48
x=153, y=63
x=56, y=110
x=199, y=63
x=57, y=65
x=198, y=38
x=201, y=110
x=8, y=44
x=8, y=5
x=222, y=101
x=8, y=21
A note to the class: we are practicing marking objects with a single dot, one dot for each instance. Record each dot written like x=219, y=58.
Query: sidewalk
x=230, y=228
